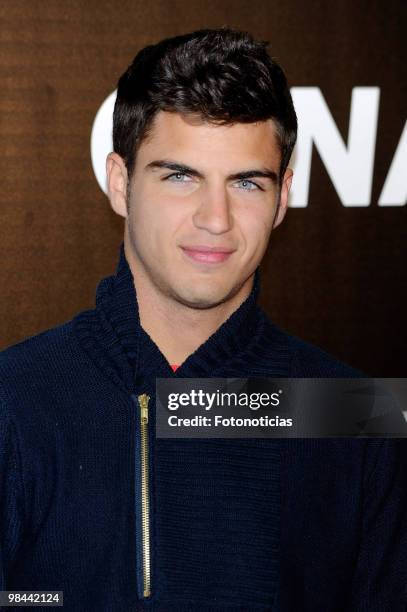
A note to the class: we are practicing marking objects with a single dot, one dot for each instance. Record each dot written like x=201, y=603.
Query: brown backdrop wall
x=333, y=275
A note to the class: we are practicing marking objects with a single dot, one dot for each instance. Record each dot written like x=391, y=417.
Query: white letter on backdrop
x=349, y=167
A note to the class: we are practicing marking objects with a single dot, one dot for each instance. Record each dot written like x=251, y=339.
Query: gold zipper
x=145, y=514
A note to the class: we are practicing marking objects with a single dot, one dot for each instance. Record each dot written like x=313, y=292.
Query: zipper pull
x=143, y=401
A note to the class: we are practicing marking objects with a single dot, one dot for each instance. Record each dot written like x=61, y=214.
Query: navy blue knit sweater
x=293, y=525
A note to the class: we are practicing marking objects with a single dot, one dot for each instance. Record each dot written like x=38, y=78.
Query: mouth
x=206, y=254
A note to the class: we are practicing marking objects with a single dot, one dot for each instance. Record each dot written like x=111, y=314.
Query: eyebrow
x=244, y=174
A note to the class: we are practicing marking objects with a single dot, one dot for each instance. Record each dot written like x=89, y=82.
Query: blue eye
x=177, y=177
x=247, y=185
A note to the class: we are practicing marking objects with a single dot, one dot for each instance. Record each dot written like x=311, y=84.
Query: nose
x=213, y=213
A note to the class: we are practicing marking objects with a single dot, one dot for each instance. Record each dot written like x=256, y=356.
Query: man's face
x=201, y=205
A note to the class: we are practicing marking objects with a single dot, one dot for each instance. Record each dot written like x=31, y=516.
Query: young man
x=92, y=502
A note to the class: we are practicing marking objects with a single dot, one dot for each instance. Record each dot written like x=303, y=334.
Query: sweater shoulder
x=308, y=360
x=37, y=344
x=39, y=358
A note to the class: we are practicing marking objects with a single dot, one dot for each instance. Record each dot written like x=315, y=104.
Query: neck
x=178, y=330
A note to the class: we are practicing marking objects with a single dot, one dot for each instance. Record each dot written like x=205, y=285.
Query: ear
x=116, y=173
x=283, y=203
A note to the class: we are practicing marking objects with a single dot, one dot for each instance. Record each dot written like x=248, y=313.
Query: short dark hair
x=222, y=75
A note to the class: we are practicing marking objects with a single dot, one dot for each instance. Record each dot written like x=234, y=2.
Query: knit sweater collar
x=113, y=335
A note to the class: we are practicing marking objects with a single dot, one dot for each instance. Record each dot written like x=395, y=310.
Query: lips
x=206, y=254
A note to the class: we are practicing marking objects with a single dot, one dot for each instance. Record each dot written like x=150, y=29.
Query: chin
x=199, y=303
x=202, y=301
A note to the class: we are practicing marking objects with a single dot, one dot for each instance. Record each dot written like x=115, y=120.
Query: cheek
x=256, y=227
x=155, y=221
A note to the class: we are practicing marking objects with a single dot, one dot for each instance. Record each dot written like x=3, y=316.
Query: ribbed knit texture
x=282, y=525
